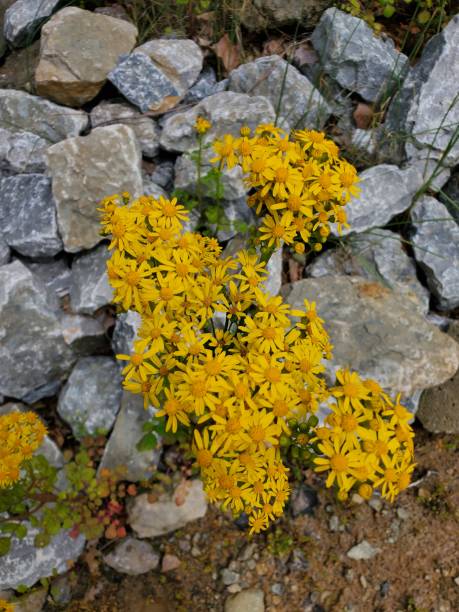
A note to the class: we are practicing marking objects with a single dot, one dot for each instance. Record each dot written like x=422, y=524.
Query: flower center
x=339, y=463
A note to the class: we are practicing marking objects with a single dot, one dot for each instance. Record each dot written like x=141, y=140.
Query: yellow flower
x=174, y=409
x=6, y=606
x=202, y=125
x=226, y=151
x=339, y=461
x=351, y=389
x=277, y=229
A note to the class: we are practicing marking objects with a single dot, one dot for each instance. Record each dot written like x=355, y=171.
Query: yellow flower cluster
x=298, y=185
x=5, y=606
x=21, y=433
x=214, y=351
x=366, y=442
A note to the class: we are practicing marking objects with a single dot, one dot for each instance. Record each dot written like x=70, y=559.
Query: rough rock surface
x=73, y=73
x=4, y=4
x=227, y=111
x=385, y=192
x=150, y=520
x=89, y=289
x=126, y=327
x=450, y=196
x=20, y=111
x=28, y=215
x=84, y=335
x=91, y=398
x=24, y=18
x=258, y=14
x=363, y=551
x=21, y=152
x=120, y=451
x=150, y=188
x=355, y=57
x=25, y=564
x=375, y=332
x=54, y=274
x=109, y=159
x=427, y=106
x=132, y=557
x=252, y=600
x=145, y=129
x=205, y=86
x=30, y=334
x=378, y=256
x=439, y=406
x=144, y=84
x=4, y=252
x=299, y=103
x=436, y=248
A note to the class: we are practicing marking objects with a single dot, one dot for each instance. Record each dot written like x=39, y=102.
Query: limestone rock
x=91, y=398
x=150, y=188
x=4, y=4
x=227, y=111
x=121, y=451
x=256, y=15
x=24, y=18
x=126, y=327
x=439, y=406
x=150, y=520
x=54, y=274
x=248, y=599
x=4, y=252
x=84, y=335
x=28, y=215
x=21, y=152
x=274, y=281
x=450, y=196
x=73, y=73
x=436, y=248
x=109, y=159
x=25, y=564
x=163, y=174
x=378, y=256
x=426, y=107
x=205, y=86
x=18, y=70
x=30, y=334
x=144, y=84
x=179, y=59
x=355, y=57
x=145, y=128
x=377, y=333
x=89, y=289
x=300, y=104
x=132, y=557
x=20, y=111
x=363, y=551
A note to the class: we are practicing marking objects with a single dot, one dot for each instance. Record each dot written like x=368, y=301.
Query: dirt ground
x=301, y=563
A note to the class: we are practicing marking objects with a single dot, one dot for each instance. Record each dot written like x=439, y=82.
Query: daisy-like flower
x=277, y=230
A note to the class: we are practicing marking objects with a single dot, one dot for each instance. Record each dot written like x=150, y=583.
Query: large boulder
x=427, y=108
x=20, y=111
x=73, y=73
x=28, y=215
x=89, y=289
x=258, y=15
x=24, y=18
x=355, y=57
x=91, y=398
x=86, y=169
x=18, y=70
x=377, y=333
x=33, y=352
x=295, y=99
x=227, y=112
x=436, y=248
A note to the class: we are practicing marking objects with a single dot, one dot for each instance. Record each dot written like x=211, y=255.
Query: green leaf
x=388, y=11
x=5, y=544
x=21, y=531
x=147, y=443
x=22, y=588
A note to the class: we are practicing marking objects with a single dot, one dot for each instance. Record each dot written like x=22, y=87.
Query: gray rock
x=179, y=59
x=30, y=334
x=120, y=450
x=28, y=215
x=252, y=600
x=274, y=281
x=427, y=105
x=89, y=288
x=4, y=4
x=20, y=111
x=375, y=332
x=109, y=159
x=47, y=390
x=21, y=152
x=132, y=557
x=163, y=174
x=91, y=398
x=205, y=86
x=355, y=57
x=4, y=252
x=25, y=564
x=144, y=84
x=227, y=111
x=73, y=73
x=363, y=551
x=54, y=274
x=145, y=128
x=32, y=601
x=17, y=71
x=24, y=18
x=386, y=191
x=229, y=576
x=238, y=218
x=126, y=328
x=365, y=142
x=450, y=196
x=150, y=188
x=149, y=520
x=436, y=248
x=439, y=407
x=427, y=170
x=298, y=103
x=378, y=256
x=260, y=14
x=84, y=335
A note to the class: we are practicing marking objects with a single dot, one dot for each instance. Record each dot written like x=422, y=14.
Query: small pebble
x=229, y=576
x=384, y=588
x=234, y=588
x=170, y=562
x=363, y=551
x=363, y=581
x=376, y=504
x=456, y=580
x=277, y=588
x=403, y=514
